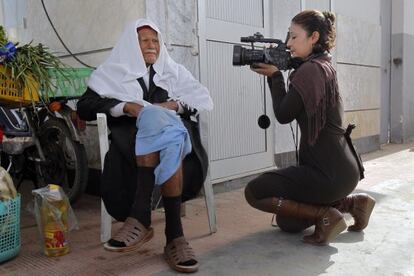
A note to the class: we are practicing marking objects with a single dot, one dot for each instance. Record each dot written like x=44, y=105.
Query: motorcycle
x=41, y=143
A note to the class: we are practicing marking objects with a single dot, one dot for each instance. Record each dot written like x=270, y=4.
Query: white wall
x=322, y=5
x=367, y=10
x=409, y=17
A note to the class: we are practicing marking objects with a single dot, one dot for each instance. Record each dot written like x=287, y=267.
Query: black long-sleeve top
x=330, y=159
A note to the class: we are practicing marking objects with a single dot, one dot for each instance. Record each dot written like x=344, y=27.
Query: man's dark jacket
x=119, y=178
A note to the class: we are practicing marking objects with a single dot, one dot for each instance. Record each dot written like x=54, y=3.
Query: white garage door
x=236, y=144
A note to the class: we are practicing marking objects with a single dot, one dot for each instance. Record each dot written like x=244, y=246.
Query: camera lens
x=237, y=55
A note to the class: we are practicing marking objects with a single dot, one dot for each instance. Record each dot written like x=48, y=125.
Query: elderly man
x=140, y=80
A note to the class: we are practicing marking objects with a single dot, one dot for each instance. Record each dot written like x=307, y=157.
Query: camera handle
x=258, y=37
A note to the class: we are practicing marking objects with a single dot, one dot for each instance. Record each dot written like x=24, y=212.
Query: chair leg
x=182, y=210
x=106, y=224
x=106, y=219
x=211, y=209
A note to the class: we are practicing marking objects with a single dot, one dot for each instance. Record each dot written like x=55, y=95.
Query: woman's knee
x=248, y=193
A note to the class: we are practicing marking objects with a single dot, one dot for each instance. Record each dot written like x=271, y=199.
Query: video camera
x=278, y=56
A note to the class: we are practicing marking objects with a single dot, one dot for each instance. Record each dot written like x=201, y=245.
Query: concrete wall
x=358, y=57
x=385, y=70
x=14, y=12
x=402, y=70
x=177, y=21
x=367, y=10
x=88, y=28
x=409, y=71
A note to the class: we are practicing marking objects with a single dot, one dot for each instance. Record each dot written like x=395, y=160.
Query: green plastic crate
x=9, y=228
x=69, y=82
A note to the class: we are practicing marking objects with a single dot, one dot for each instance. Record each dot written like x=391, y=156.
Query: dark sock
x=173, y=227
x=141, y=208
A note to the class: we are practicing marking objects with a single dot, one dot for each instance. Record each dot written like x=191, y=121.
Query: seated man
x=139, y=72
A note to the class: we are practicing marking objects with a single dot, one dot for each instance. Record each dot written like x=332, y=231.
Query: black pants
x=119, y=183
x=312, y=188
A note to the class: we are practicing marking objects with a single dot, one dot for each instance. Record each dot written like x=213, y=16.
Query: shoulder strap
x=348, y=132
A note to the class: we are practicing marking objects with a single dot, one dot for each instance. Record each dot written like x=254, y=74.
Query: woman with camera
x=317, y=190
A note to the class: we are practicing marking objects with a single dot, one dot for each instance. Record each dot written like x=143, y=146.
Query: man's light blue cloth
x=160, y=129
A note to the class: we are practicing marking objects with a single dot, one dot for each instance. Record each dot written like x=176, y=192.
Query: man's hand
x=264, y=69
x=173, y=105
x=132, y=109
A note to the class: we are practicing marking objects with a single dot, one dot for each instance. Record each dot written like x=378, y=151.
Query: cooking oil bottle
x=54, y=213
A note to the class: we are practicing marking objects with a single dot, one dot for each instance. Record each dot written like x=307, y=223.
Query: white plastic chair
x=106, y=219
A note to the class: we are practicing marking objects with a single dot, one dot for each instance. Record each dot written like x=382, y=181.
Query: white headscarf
x=117, y=76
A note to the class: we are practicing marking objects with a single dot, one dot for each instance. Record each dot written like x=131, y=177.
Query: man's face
x=150, y=45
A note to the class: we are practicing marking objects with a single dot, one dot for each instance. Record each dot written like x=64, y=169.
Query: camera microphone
x=263, y=121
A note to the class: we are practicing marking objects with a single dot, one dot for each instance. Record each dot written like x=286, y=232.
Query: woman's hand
x=264, y=69
x=132, y=109
x=173, y=105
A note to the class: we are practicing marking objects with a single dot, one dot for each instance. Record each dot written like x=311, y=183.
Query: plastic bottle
x=55, y=223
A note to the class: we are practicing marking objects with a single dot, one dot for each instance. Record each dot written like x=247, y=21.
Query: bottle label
x=55, y=239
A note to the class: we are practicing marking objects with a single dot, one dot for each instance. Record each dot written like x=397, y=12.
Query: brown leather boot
x=329, y=222
x=360, y=206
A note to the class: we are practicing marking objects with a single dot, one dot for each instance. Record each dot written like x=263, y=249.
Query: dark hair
x=321, y=22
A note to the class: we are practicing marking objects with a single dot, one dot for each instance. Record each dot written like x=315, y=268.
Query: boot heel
x=362, y=214
x=370, y=206
x=330, y=225
x=337, y=229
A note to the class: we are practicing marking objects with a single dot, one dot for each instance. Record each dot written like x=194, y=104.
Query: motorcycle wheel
x=66, y=163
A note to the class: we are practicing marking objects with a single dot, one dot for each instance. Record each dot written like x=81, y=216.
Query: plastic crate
x=10, y=96
x=69, y=82
x=9, y=228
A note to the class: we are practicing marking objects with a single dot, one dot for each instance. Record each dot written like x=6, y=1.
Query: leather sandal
x=180, y=256
x=129, y=237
